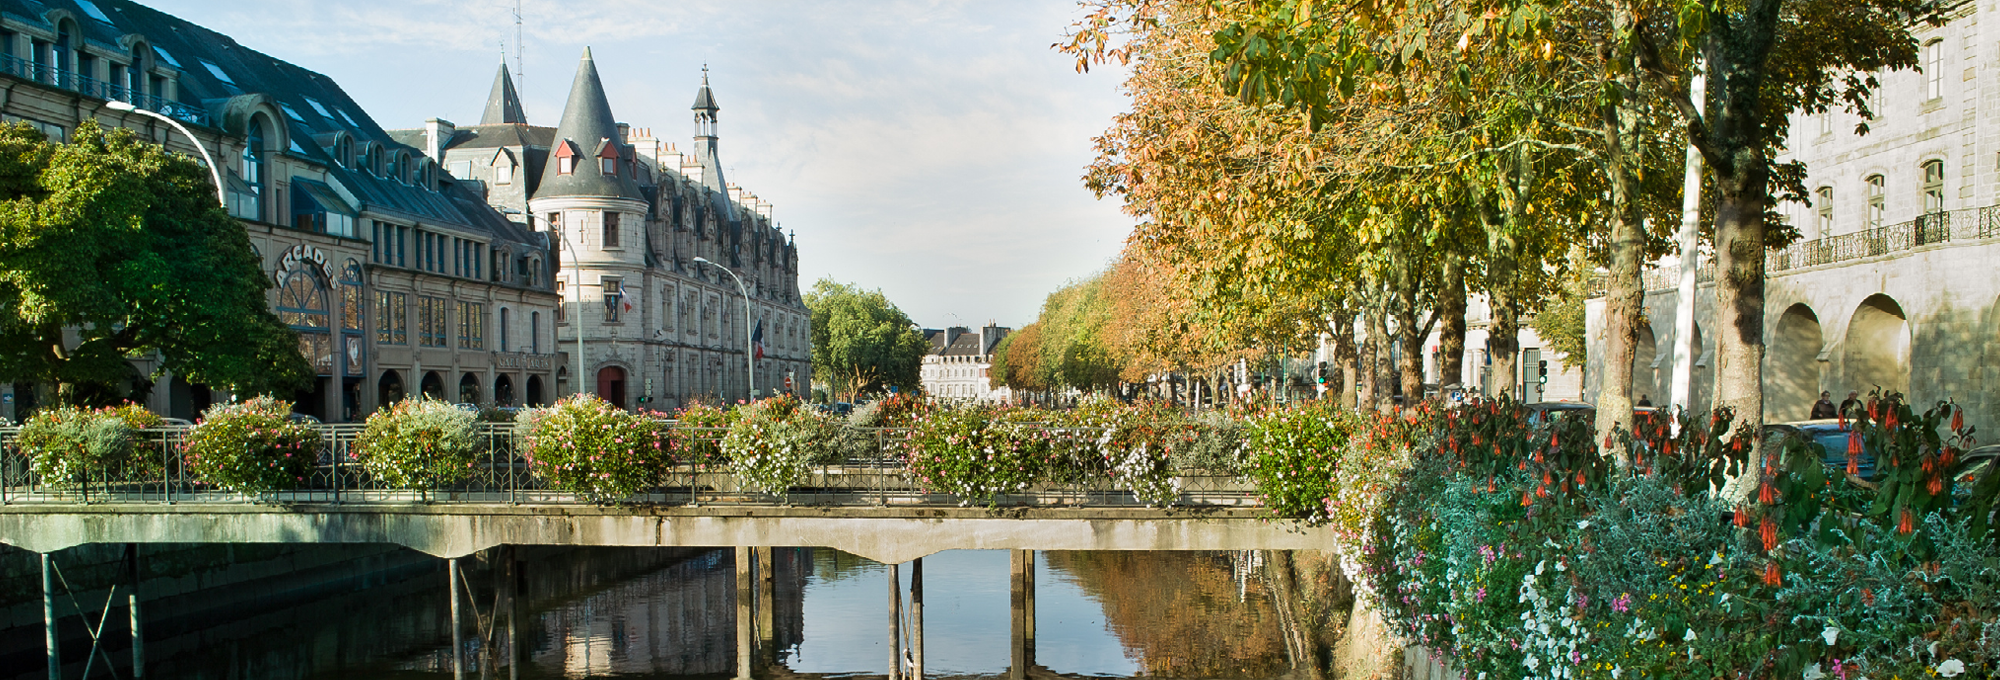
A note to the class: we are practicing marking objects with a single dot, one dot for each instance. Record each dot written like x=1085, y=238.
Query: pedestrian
x=1823, y=408
x=1851, y=406
x=1645, y=400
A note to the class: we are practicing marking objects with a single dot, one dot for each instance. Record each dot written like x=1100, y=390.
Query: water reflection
x=657, y=614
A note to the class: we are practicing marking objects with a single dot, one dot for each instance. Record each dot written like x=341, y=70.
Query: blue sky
x=929, y=148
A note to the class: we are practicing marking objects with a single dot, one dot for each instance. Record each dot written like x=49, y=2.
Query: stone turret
x=589, y=157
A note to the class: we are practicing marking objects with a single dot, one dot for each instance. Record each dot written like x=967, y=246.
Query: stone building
x=397, y=277
x=957, y=366
x=659, y=328
x=1892, y=283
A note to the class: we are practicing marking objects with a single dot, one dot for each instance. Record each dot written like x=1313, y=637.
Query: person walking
x=1851, y=405
x=1824, y=407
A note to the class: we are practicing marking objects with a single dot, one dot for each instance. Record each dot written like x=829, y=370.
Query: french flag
x=757, y=339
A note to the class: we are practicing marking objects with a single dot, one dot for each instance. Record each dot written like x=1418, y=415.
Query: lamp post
x=214, y=171
x=749, y=351
x=577, y=274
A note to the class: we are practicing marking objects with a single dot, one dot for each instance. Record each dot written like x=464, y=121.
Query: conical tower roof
x=588, y=127
x=704, y=100
x=504, y=105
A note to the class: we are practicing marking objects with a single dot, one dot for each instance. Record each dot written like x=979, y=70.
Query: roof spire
x=504, y=104
x=588, y=134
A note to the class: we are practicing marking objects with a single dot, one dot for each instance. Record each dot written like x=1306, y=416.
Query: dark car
x=1551, y=411
x=1829, y=433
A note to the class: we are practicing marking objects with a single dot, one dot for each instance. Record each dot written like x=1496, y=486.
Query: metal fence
x=48, y=74
x=869, y=472
x=1928, y=229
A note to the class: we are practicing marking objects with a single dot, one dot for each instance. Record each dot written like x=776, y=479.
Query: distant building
x=659, y=329
x=959, y=364
x=397, y=277
x=1892, y=283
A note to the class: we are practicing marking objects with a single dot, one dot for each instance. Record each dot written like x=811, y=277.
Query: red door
x=611, y=385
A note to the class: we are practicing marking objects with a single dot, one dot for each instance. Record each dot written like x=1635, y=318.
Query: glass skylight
x=92, y=10
x=289, y=111
x=171, y=61
x=217, y=70
x=317, y=107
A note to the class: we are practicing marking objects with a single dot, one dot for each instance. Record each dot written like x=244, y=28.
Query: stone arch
x=503, y=390
x=468, y=389
x=433, y=386
x=389, y=389
x=1792, y=380
x=535, y=397
x=1645, y=369
x=1876, y=351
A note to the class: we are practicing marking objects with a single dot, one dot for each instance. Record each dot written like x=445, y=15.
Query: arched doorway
x=433, y=386
x=535, y=397
x=611, y=385
x=503, y=390
x=468, y=389
x=1876, y=351
x=1645, y=376
x=389, y=389
x=1791, y=365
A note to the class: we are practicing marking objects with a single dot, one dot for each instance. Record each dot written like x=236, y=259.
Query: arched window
x=135, y=74
x=302, y=299
x=254, y=158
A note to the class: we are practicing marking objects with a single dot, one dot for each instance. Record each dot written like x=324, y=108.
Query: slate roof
x=218, y=75
x=587, y=122
x=504, y=104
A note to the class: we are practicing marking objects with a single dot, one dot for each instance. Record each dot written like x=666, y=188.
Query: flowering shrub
x=586, y=446
x=1292, y=455
x=976, y=453
x=774, y=443
x=1137, y=444
x=419, y=444
x=1519, y=551
x=1216, y=446
x=252, y=446
x=699, y=429
x=68, y=444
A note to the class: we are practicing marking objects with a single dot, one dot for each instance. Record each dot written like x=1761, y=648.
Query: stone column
x=746, y=638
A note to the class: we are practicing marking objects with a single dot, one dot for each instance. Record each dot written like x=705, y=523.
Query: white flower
x=1690, y=637
x=1831, y=634
x=1814, y=673
x=1951, y=667
x=1585, y=524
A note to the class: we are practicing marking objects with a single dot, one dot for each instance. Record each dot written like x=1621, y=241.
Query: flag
x=757, y=339
x=624, y=296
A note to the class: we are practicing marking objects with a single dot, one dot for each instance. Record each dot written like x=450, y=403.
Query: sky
x=931, y=149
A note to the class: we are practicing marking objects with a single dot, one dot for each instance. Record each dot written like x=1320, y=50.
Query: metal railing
x=48, y=74
x=867, y=470
x=1931, y=228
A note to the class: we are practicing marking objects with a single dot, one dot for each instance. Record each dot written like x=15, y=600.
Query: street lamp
x=577, y=273
x=749, y=350
x=214, y=171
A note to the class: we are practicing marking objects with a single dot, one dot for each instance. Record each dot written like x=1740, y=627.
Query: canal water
x=638, y=613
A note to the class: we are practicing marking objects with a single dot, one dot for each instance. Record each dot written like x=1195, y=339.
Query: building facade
x=959, y=363
x=397, y=278
x=1891, y=284
x=653, y=241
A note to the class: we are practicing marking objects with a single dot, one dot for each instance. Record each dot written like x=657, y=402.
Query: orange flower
x=1957, y=419
x=1906, y=523
x=1768, y=531
x=1766, y=494
x=1742, y=516
x=1527, y=499
x=1772, y=576
x=1936, y=485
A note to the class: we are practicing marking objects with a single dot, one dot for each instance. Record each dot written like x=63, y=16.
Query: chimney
x=624, y=133
x=437, y=131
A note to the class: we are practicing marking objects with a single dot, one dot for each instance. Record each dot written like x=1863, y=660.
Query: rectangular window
x=402, y=254
x=535, y=332
x=562, y=304
x=1934, y=69
x=392, y=318
x=610, y=230
x=1825, y=199
x=501, y=329
x=1933, y=186
x=614, y=298
x=433, y=322
x=471, y=325
x=1876, y=201
x=503, y=174
x=375, y=230
x=609, y=166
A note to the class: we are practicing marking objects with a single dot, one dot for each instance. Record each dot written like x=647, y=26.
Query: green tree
x=862, y=341
x=111, y=248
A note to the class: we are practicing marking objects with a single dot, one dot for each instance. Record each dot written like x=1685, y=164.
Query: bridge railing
x=867, y=471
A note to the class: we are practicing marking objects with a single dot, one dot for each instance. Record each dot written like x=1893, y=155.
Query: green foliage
x=1560, y=324
x=1137, y=445
x=1293, y=454
x=252, y=447
x=122, y=246
x=68, y=444
x=861, y=341
x=698, y=431
x=1073, y=348
x=773, y=444
x=586, y=446
x=419, y=443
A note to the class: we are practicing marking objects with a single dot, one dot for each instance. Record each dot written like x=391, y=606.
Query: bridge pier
x=767, y=582
x=510, y=576
x=49, y=616
x=1022, y=590
x=457, y=625
x=132, y=604
x=895, y=622
x=745, y=636
x=917, y=619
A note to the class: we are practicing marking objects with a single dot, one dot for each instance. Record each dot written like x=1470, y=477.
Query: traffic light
x=1543, y=368
x=1320, y=373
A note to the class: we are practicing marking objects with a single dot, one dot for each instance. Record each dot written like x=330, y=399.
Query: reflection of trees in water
x=833, y=566
x=1178, y=613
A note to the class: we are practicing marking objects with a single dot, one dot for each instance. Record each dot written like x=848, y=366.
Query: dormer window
x=565, y=158
x=609, y=166
x=607, y=158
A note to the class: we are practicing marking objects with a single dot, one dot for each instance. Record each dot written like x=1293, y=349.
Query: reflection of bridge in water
x=865, y=505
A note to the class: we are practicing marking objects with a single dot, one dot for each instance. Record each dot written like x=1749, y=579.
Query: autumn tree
x=861, y=341
x=110, y=249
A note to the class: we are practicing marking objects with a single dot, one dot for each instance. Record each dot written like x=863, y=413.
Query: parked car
x=1830, y=434
x=838, y=408
x=1551, y=411
x=303, y=418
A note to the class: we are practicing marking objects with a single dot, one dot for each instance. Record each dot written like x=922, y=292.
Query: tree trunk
x=1346, y=358
x=1625, y=291
x=1364, y=364
x=1381, y=372
x=1451, y=324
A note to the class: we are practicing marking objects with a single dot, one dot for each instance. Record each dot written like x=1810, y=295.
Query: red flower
x=1768, y=531
x=1766, y=494
x=1905, y=524
x=1957, y=419
x=1772, y=576
x=1742, y=516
